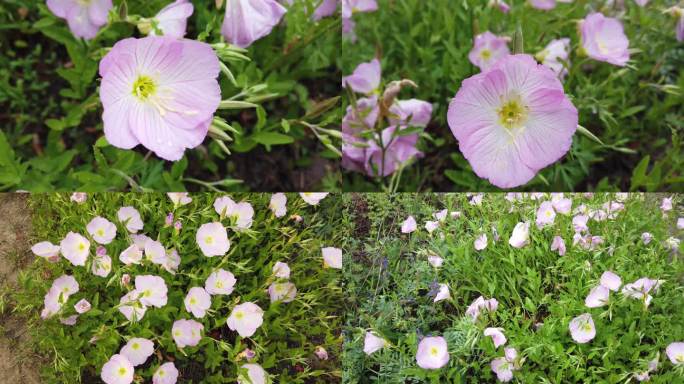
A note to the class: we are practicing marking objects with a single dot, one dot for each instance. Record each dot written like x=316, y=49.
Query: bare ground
x=18, y=363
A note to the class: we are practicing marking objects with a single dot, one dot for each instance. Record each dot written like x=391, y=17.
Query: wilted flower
x=245, y=318
x=603, y=39
x=118, y=370
x=321, y=353
x=332, y=257
x=212, y=239
x=165, y=374
x=152, y=290
x=520, y=236
x=85, y=18
x=82, y=306
x=247, y=21
x=435, y=261
x=137, y=350
x=582, y=328
x=497, y=336
x=75, y=248
x=481, y=304
x=558, y=245
x=672, y=243
x=488, y=48
x=501, y=117
x=432, y=353
x=278, y=204
x=409, y=225
x=186, y=332
x=372, y=343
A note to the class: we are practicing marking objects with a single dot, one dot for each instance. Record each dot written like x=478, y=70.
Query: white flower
x=278, y=204
x=137, y=350
x=131, y=218
x=332, y=257
x=281, y=270
x=212, y=239
x=197, y=301
x=313, y=198
x=284, y=292
x=372, y=343
x=520, y=236
x=245, y=318
x=220, y=282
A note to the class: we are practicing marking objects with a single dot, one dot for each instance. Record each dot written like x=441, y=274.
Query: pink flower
x=503, y=7
x=220, y=282
x=247, y=21
x=410, y=113
x=497, y=336
x=102, y=265
x=165, y=374
x=365, y=78
x=212, y=239
x=488, y=48
x=582, y=328
x=75, y=248
x=197, y=302
x=545, y=214
x=555, y=56
x=245, y=318
x=443, y=293
x=172, y=20
x=152, y=290
x=432, y=353
x=409, y=225
x=102, y=230
x=504, y=366
x=558, y=245
x=159, y=92
x=321, y=353
x=641, y=289
x=350, y=7
x=579, y=223
x=186, y=332
x=666, y=204
x=481, y=242
x=131, y=307
x=255, y=374
x=680, y=223
x=281, y=270
x=512, y=120
x=155, y=252
x=561, y=204
x=284, y=292
x=332, y=257
x=179, y=198
x=603, y=39
x=47, y=250
x=137, y=350
x=598, y=297
x=131, y=218
x=278, y=204
x=521, y=235
x=118, y=370
x=85, y=18
x=481, y=304
x=372, y=343
x=431, y=226
x=435, y=261
x=313, y=198
x=611, y=281
x=79, y=197
x=242, y=212
x=82, y=306
x=675, y=351
x=543, y=4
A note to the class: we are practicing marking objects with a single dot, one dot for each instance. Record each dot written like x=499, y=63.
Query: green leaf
x=272, y=138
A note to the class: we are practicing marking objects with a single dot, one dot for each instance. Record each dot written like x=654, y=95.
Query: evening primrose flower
x=152, y=290
x=284, y=292
x=321, y=353
x=220, y=282
x=431, y=226
x=131, y=255
x=544, y=5
x=497, y=336
x=172, y=261
x=332, y=257
x=82, y=306
x=349, y=7
x=75, y=248
x=558, y=244
x=159, y=92
x=131, y=307
x=281, y=270
x=197, y=301
x=155, y=252
x=179, y=198
x=102, y=230
x=255, y=374
x=520, y=236
x=247, y=21
x=186, y=333
x=409, y=225
x=504, y=366
x=545, y=214
x=481, y=304
x=512, y=120
x=131, y=218
x=118, y=370
x=562, y=205
x=675, y=351
x=137, y=350
x=641, y=289
x=165, y=374
x=172, y=20
x=365, y=78
x=278, y=204
x=603, y=39
x=372, y=343
x=79, y=197
x=443, y=293
x=481, y=242
x=598, y=297
x=435, y=261
x=611, y=281
x=579, y=223
x=212, y=239
x=582, y=328
x=46, y=250
x=313, y=198
x=488, y=48
x=555, y=56
x=58, y=294
x=102, y=265
x=85, y=18
x=432, y=353
x=646, y=237
x=245, y=318
x=242, y=212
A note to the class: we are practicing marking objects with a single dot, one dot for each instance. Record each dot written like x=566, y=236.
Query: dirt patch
x=18, y=363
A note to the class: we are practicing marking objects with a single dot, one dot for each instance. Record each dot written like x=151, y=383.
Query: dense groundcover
x=631, y=111
x=274, y=132
x=280, y=256
x=503, y=296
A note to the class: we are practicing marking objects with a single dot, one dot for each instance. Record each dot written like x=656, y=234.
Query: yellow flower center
x=219, y=284
x=144, y=87
x=161, y=373
x=135, y=346
x=548, y=213
x=239, y=315
x=680, y=358
x=122, y=371
x=81, y=246
x=513, y=114
x=485, y=54
x=434, y=351
x=100, y=232
x=209, y=240
x=193, y=300
x=587, y=327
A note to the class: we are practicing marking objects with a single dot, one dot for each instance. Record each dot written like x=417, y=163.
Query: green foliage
x=49, y=83
x=388, y=283
x=284, y=344
x=634, y=111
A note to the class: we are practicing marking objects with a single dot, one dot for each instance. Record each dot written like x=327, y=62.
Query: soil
x=18, y=364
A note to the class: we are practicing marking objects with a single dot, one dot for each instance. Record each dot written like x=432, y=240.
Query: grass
x=388, y=287
x=284, y=344
x=634, y=112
